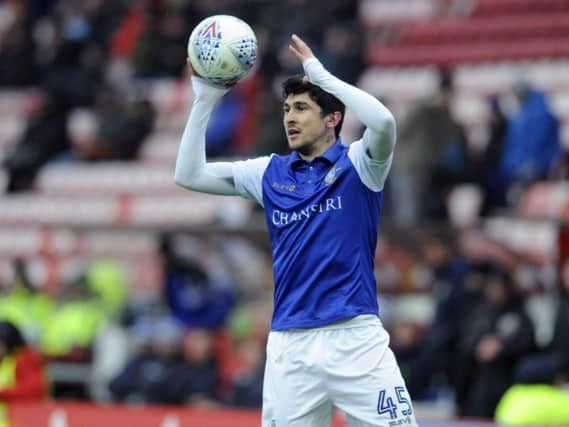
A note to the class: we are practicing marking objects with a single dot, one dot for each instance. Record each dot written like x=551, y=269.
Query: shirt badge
x=331, y=176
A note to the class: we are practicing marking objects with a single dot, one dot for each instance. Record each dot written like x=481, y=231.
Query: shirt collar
x=331, y=155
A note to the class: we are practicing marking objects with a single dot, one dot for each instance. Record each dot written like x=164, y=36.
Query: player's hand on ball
x=193, y=72
x=191, y=68
x=206, y=90
x=300, y=49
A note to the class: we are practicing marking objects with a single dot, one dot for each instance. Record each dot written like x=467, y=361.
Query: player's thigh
x=367, y=383
x=293, y=391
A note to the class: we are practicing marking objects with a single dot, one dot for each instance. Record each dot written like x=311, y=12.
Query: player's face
x=304, y=125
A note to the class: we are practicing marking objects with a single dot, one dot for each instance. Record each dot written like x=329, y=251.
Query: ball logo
x=210, y=31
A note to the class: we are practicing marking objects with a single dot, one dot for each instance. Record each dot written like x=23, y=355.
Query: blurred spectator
x=342, y=51
x=23, y=376
x=534, y=405
x=473, y=284
x=106, y=279
x=195, y=299
x=430, y=159
x=437, y=350
x=242, y=362
x=551, y=364
x=490, y=176
x=194, y=377
x=17, y=51
x=247, y=388
x=161, y=49
x=498, y=333
x=171, y=366
x=532, y=145
x=23, y=305
x=75, y=323
x=45, y=136
x=224, y=123
x=129, y=29
x=115, y=130
x=143, y=377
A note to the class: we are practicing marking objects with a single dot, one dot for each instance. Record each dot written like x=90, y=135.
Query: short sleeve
x=372, y=173
x=248, y=177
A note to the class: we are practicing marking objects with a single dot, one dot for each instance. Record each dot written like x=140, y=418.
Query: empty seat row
x=108, y=178
x=501, y=7
x=144, y=211
x=36, y=241
x=456, y=30
x=460, y=53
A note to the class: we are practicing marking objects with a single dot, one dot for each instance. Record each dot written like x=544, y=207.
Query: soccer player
x=327, y=347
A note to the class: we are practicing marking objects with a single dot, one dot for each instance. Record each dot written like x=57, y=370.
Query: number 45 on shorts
x=402, y=409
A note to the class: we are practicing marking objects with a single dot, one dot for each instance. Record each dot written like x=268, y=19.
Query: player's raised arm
x=192, y=170
x=379, y=137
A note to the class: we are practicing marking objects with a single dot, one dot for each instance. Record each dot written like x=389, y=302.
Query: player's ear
x=333, y=119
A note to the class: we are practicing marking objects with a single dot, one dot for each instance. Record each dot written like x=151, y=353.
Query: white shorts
x=347, y=365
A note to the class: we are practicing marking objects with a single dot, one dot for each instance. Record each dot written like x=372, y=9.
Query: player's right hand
x=194, y=73
x=205, y=89
x=191, y=68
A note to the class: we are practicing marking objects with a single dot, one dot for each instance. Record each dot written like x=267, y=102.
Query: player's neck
x=312, y=151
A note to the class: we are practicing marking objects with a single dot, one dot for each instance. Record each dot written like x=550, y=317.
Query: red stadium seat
x=501, y=7
x=459, y=53
x=494, y=30
x=487, y=28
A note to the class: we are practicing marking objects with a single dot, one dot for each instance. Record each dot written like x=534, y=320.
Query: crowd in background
x=88, y=61
x=498, y=319
x=201, y=340
x=485, y=335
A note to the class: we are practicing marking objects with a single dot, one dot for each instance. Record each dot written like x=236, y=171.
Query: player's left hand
x=300, y=49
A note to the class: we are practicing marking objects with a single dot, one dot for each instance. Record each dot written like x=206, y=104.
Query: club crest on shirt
x=331, y=176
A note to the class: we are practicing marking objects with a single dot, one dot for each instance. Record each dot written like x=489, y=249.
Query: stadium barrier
x=74, y=414
x=58, y=414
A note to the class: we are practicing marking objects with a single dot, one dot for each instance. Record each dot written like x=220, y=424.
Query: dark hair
x=328, y=103
x=10, y=336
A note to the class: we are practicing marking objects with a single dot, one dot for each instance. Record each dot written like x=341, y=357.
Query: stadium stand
x=491, y=32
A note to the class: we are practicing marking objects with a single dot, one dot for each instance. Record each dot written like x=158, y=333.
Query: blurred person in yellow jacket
x=107, y=279
x=78, y=318
x=24, y=305
x=534, y=405
x=22, y=371
x=541, y=396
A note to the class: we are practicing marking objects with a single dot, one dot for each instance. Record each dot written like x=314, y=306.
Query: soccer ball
x=222, y=49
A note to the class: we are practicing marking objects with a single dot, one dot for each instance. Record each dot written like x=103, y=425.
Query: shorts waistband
x=352, y=322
